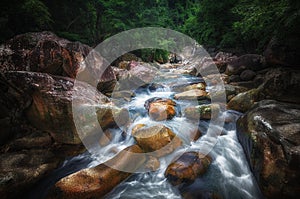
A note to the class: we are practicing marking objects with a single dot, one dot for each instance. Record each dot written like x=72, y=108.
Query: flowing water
x=228, y=176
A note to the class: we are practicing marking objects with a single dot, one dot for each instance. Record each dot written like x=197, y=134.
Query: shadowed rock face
x=97, y=181
x=270, y=137
x=47, y=53
x=281, y=84
x=49, y=102
x=249, y=61
x=187, y=168
x=283, y=51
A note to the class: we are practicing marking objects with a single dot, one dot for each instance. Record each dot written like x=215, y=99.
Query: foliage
x=247, y=24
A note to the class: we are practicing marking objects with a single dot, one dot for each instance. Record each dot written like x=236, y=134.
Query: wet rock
x=193, y=134
x=20, y=170
x=187, y=168
x=207, y=111
x=158, y=139
x=269, y=135
x=105, y=138
x=244, y=101
x=152, y=163
x=200, y=194
x=247, y=75
x=194, y=94
x=248, y=61
x=155, y=86
x=97, y=181
x=187, y=87
x=160, y=108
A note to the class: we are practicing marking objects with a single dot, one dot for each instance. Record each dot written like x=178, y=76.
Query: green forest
x=246, y=25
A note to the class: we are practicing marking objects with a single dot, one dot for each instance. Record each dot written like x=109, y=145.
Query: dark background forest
x=246, y=25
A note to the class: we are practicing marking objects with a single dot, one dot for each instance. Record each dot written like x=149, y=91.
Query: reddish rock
x=97, y=181
x=160, y=109
x=187, y=168
x=47, y=53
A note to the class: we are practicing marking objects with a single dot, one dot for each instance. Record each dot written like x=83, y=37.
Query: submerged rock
x=158, y=139
x=160, y=108
x=207, y=111
x=187, y=168
x=269, y=135
x=97, y=181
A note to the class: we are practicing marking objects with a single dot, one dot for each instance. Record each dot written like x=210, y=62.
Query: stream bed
x=228, y=176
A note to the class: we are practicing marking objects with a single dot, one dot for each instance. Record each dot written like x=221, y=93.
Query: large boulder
x=47, y=53
x=97, y=181
x=281, y=84
x=20, y=170
x=269, y=134
x=284, y=52
x=160, y=108
x=46, y=101
x=158, y=139
x=248, y=61
x=187, y=168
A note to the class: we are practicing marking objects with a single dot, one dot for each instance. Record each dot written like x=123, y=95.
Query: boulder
x=194, y=94
x=207, y=111
x=247, y=75
x=248, y=61
x=158, y=139
x=46, y=101
x=47, y=53
x=280, y=84
x=187, y=168
x=19, y=171
x=97, y=181
x=269, y=135
x=283, y=52
x=244, y=101
x=160, y=108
